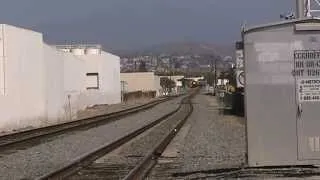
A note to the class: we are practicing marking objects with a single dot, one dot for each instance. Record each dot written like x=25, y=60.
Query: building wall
x=75, y=96
x=74, y=84
x=108, y=68
x=54, y=84
x=157, y=85
x=267, y=89
x=65, y=84
x=273, y=125
x=22, y=78
x=40, y=85
x=141, y=81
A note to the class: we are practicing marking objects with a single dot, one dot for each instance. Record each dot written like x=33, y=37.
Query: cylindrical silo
x=78, y=51
x=93, y=51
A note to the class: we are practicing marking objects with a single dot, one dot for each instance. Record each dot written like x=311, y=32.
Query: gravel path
x=41, y=159
x=208, y=141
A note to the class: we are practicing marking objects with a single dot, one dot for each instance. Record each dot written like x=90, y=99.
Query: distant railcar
x=193, y=84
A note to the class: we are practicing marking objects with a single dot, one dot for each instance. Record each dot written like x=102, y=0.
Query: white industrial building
x=141, y=81
x=42, y=84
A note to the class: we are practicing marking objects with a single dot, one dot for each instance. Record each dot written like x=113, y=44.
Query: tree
x=222, y=75
x=142, y=67
x=177, y=65
x=210, y=78
x=167, y=84
x=231, y=76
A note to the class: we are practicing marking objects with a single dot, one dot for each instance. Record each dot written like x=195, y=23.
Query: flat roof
x=280, y=23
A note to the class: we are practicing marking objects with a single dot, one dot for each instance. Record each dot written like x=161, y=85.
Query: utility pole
x=215, y=72
x=123, y=83
x=211, y=73
x=170, y=74
x=310, y=8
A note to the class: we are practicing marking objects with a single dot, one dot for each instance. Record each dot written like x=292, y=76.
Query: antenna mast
x=308, y=8
x=300, y=8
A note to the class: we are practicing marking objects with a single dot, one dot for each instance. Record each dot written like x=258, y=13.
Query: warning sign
x=307, y=73
x=240, y=79
x=307, y=63
x=240, y=68
x=239, y=59
x=309, y=90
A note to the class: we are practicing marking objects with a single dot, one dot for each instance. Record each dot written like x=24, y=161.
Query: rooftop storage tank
x=282, y=93
x=78, y=51
x=64, y=50
x=93, y=51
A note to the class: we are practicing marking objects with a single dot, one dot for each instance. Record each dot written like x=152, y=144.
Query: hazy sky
x=130, y=24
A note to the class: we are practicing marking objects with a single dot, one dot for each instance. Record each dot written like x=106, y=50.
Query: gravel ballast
x=90, y=112
x=117, y=165
x=209, y=140
x=46, y=157
x=105, y=109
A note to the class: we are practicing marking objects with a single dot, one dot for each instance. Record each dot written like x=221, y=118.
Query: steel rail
x=143, y=168
x=90, y=157
x=7, y=141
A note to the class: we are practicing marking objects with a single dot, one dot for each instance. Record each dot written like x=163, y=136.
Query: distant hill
x=183, y=49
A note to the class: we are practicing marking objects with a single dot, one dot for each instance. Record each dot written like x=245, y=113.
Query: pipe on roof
x=300, y=9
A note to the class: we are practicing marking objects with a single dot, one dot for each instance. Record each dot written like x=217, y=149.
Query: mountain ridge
x=183, y=48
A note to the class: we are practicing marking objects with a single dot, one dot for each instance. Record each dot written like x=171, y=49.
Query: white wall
x=141, y=81
x=54, y=84
x=40, y=85
x=74, y=84
x=22, y=103
x=65, y=80
x=108, y=68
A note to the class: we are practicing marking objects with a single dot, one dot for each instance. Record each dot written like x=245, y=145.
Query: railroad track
x=29, y=137
x=132, y=170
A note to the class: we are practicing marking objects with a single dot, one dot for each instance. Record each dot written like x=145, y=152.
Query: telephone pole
x=307, y=8
x=215, y=72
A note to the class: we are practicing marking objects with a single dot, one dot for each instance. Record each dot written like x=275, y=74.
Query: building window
x=92, y=81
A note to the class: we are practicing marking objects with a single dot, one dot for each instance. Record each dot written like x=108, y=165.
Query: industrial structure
x=141, y=81
x=282, y=90
x=307, y=8
x=102, y=73
x=239, y=64
x=42, y=84
x=149, y=81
